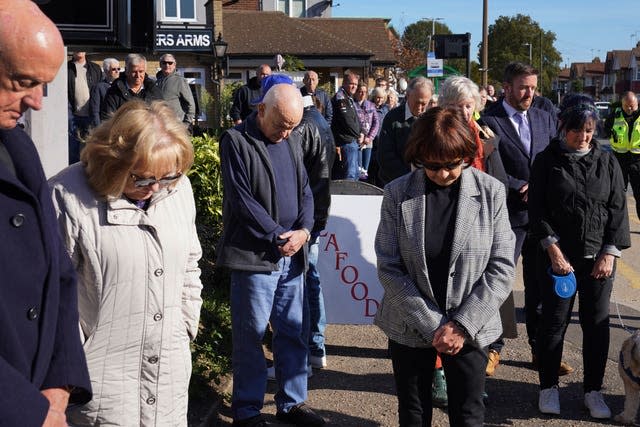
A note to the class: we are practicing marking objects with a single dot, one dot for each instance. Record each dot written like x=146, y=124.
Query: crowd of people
x=95, y=93
x=103, y=257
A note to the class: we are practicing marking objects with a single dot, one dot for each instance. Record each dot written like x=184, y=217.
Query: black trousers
x=630, y=165
x=413, y=373
x=528, y=248
x=593, y=312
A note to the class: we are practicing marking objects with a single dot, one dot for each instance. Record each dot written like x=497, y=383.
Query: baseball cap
x=270, y=81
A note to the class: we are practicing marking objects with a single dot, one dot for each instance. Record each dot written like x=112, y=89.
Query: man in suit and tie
x=524, y=132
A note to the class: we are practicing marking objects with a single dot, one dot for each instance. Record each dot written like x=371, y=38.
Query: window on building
x=293, y=8
x=196, y=79
x=638, y=73
x=179, y=10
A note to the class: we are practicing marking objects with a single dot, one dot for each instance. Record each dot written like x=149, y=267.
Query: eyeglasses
x=435, y=167
x=167, y=62
x=140, y=182
x=114, y=69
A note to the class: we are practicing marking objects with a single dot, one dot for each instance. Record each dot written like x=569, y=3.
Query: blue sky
x=583, y=28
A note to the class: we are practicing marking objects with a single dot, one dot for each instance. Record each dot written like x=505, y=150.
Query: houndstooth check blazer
x=481, y=269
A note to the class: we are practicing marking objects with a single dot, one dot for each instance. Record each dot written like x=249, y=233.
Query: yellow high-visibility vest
x=621, y=130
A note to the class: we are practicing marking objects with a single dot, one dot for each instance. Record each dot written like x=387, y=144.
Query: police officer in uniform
x=624, y=131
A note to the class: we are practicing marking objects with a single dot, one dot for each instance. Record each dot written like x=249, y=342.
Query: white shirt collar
x=407, y=111
x=512, y=111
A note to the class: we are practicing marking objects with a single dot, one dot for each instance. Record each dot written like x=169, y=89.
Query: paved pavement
x=357, y=388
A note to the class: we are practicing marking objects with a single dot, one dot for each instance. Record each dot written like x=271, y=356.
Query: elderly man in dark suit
x=396, y=127
x=524, y=132
x=42, y=365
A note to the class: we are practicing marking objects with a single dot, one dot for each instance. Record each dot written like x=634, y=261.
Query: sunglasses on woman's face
x=435, y=167
x=139, y=181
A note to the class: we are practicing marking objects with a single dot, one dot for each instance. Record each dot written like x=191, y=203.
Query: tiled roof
x=368, y=33
x=270, y=33
x=564, y=73
x=587, y=68
x=623, y=57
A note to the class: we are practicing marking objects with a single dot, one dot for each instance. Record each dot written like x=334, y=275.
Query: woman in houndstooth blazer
x=445, y=260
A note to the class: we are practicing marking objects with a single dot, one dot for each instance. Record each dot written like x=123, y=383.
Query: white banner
x=435, y=67
x=347, y=260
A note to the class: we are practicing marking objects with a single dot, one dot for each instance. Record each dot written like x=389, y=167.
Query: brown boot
x=493, y=362
x=564, y=368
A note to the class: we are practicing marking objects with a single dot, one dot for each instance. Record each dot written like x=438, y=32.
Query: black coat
x=392, y=141
x=580, y=200
x=317, y=152
x=118, y=94
x=94, y=75
x=242, y=106
x=39, y=335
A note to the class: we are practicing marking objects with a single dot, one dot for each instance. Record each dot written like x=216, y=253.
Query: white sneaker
x=271, y=372
x=595, y=403
x=549, y=401
x=318, y=362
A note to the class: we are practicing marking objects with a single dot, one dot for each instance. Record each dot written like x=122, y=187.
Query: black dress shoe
x=301, y=415
x=256, y=421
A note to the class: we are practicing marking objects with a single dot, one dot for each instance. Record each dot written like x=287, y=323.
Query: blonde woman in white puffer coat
x=127, y=215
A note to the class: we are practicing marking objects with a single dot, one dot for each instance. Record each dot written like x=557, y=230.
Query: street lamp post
x=530, y=57
x=433, y=30
x=219, y=58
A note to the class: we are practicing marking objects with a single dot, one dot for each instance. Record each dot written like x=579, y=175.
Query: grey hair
x=420, y=82
x=164, y=57
x=456, y=89
x=107, y=63
x=134, y=59
x=378, y=91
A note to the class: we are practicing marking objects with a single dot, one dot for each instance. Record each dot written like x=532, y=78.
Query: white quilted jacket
x=138, y=297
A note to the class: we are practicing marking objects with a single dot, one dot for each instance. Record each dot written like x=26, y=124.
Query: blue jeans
x=314, y=300
x=256, y=299
x=350, y=154
x=365, y=155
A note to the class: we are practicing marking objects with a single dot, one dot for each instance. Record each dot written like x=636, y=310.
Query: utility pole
x=485, y=43
x=433, y=30
x=528, y=44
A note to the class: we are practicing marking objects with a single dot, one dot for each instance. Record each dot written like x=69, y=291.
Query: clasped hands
x=449, y=339
x=295, y=240
x=58, y=399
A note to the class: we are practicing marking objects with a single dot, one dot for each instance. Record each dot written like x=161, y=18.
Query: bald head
x=629, y=102
x=263, y=71
x=280, y=112
x=31, y=52
x=310, y=81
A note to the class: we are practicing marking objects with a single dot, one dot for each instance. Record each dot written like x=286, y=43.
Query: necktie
x=524, y=131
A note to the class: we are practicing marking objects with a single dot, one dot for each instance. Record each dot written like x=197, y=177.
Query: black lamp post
x=219, y=59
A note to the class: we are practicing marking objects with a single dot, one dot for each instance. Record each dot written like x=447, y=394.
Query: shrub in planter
x=212, y=347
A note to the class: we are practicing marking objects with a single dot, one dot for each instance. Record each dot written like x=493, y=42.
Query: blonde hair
x=138, y=135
